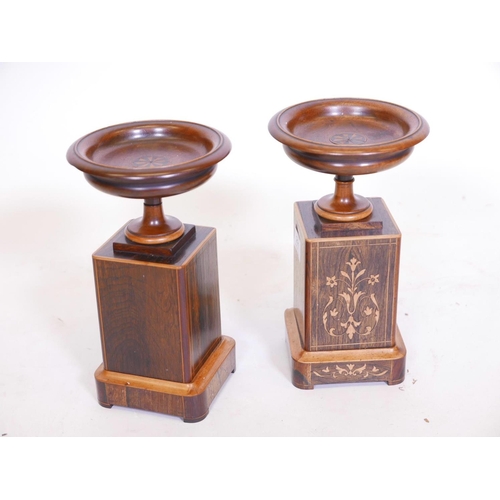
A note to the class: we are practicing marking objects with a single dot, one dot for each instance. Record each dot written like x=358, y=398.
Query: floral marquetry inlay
x=352, y=308
x=351, y=371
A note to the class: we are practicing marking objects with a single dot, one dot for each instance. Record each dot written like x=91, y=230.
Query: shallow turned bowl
x=150, y=160
x=347, y=137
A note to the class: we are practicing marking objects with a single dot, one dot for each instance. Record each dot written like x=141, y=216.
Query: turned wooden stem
x=343, y=205
x=154, y=227
x=153, y=215
x=343, y=196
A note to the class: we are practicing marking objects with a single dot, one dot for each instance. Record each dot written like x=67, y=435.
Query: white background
x=443, y=198
x=232, y=67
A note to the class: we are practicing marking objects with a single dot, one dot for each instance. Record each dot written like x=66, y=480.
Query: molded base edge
x=334, y=367
x=190, y=401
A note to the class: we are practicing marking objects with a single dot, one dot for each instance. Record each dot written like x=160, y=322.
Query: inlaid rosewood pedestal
x=342, y=327
x=156, y=278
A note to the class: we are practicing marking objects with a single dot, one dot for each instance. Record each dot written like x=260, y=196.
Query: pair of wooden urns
x=157, y=279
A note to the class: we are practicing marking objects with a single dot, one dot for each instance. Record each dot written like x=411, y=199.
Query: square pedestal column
x=343, y=324
x=160, y=325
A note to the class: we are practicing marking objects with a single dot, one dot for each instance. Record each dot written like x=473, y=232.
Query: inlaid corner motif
x=353, y=309
x=350, y=371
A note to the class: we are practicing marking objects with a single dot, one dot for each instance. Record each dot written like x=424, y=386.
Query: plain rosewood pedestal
x=343, y=324
x=160, y=325
x=156, y=279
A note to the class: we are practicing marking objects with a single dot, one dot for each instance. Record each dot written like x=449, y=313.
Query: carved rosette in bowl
x=347, y=137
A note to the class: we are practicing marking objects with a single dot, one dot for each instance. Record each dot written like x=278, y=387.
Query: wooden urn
x=156, y=278
x=342, y=327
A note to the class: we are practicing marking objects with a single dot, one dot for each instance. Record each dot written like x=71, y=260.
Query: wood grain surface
x=159, y=319
x=345, y=298
x=160, y=325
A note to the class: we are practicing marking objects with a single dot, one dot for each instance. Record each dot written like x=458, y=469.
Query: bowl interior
x=149, y=146
x=344, y=123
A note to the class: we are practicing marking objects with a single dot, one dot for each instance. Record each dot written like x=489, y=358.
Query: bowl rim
x=416, y=134
x=79, y=160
